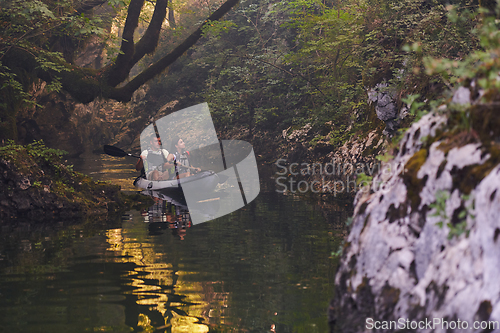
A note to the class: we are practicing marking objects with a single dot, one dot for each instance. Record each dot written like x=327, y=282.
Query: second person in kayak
x=184, y=167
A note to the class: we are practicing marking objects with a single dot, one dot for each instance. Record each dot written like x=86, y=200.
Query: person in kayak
x=181, y=156
x=155, y=161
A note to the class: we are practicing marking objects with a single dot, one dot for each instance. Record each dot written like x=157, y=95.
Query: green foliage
x=384, y=158
x=362, y=178
x=458, y=228
x=47, y=174
x=116, y=4
x=50, y=32
x=36, y=150
x=248, y=84
x=215, y=28
x=36, y=23
x=39, y=151
x=413, y=105
x=10, y=86
x=481, y=66
x=328, y=56
x=408, y=33
x=440, y=207
x=273, y=65
x=316, y=139
x=86, y=26
x=481, y=61
x=339, y=136
x=476, y=62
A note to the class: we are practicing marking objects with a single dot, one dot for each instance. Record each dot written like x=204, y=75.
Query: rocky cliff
x=424, y=244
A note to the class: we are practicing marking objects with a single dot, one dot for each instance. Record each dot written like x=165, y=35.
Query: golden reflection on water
x=116, y=170
x=158, y=297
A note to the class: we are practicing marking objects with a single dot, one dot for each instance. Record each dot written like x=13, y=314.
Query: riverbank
x=38, y=186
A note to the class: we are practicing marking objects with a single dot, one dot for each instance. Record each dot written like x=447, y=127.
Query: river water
x=268, y=267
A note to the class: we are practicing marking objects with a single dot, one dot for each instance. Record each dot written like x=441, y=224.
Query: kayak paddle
x=117, y=152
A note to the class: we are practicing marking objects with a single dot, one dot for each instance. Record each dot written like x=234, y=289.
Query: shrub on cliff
x=36, y=184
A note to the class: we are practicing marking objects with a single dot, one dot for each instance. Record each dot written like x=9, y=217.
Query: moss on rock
x=412, y=182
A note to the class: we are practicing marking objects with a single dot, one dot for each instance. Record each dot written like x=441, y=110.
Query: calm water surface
x=265, y=268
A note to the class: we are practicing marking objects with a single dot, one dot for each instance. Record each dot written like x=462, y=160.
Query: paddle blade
x=114, y=151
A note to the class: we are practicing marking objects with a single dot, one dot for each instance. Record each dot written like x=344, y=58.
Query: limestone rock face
x=354, y=150
x=411, y=255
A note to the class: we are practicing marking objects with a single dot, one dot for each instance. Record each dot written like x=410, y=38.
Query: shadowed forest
x=266, y=68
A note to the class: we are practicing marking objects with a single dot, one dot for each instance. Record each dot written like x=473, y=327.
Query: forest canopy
x=302, y=62
x=39, y=40
x=271, y=64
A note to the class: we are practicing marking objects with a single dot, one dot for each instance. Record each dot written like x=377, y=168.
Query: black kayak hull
x=205, y=181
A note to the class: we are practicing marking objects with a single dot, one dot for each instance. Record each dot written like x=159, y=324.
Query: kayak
x=206, y=181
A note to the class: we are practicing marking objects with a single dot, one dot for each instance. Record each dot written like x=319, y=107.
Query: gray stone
x=404, y=260
x=461, y=96
x=386, y=112
x=385, y=106
x=24, y=183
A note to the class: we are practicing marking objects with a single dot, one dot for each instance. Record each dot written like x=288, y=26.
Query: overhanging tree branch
x=149, y=41
x=118, y=71
x=147, y=44
x=85, y=84
x=124, y=94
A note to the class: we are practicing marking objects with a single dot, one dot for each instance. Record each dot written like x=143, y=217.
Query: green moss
x=390, y=297
x=485, y=121
x=414, y=185
x=468, y=178
x=376, y=71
